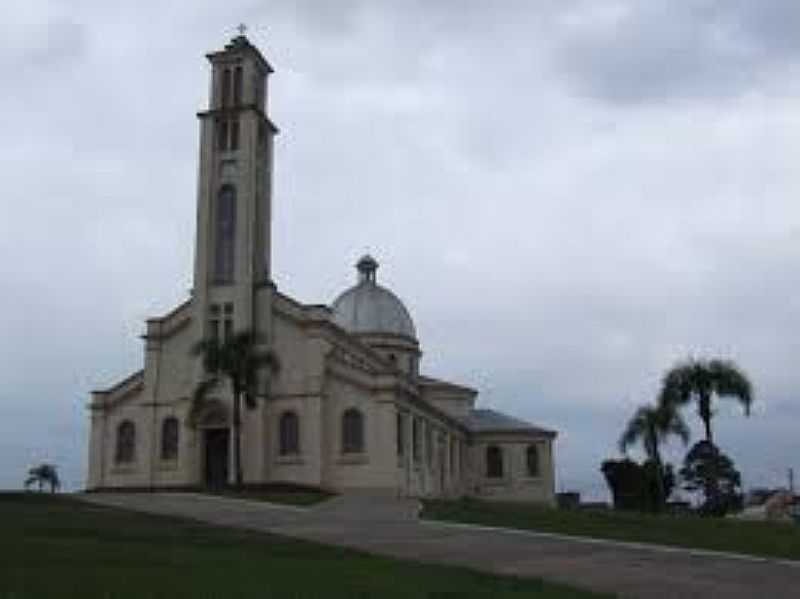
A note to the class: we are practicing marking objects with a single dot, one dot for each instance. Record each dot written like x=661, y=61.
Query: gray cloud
x=54, y=44
x=656, y=51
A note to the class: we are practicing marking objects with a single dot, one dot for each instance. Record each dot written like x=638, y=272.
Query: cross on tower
x=242, y=28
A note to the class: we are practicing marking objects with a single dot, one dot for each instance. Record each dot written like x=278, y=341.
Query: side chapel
x=349, y=408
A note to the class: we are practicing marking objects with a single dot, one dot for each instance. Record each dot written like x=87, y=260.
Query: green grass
x=718, y=534
x=60, y=547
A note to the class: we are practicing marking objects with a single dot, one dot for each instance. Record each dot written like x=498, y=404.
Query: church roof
x=370, y=308
x=483, y=420
x=429, y=381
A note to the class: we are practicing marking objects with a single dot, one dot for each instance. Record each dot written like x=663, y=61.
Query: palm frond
x=677, y=386
x=269, y=359
x=635, y=429
x=239, y=359
x=210, y=352
x=200, y=399
x=731, y=382
x=675, y=425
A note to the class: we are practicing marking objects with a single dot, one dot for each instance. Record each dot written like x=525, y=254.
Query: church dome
x=368, y=308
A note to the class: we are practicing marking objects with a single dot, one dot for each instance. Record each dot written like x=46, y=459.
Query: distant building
x=349, y=408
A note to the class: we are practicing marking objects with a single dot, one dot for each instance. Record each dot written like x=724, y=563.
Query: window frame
x=537, y=471
x=353, y=432
x=238, y=85
x=225, y=92
x=225, y=225
x=429, y=440
x=170, y=443
x=125, y=453
x=416, y=440
x=289, y=434
x=235, y=131
x=401, y=434
x=495, y=462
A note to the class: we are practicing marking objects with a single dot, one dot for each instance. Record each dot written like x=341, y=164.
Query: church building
x=349, y=407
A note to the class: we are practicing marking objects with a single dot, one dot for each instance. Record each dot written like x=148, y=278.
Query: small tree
x=635, y=486
x=624, y=479
x=43, y=474
x=652, y=425
x=237, y=360
x=706, y=463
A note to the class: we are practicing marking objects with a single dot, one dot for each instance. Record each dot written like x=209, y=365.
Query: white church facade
x=348, y=408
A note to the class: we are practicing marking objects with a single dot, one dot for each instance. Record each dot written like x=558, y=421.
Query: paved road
x=389, y=526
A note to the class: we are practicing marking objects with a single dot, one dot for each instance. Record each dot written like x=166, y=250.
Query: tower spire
x=234, y=237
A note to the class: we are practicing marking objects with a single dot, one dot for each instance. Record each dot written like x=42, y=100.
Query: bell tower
x=234, y=194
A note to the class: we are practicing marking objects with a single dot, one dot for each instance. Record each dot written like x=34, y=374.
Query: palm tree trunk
x=660, y=500
x=237, y=438
x=707, y=425
x=704, y=409
x=711, y=486
x=655, y=455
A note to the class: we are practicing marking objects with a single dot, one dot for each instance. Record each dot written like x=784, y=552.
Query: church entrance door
x=217, y=443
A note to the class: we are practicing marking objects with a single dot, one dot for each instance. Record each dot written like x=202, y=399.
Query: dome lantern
x=367, y=268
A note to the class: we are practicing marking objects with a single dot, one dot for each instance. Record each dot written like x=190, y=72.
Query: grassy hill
x=762, y=539
x=59, y=547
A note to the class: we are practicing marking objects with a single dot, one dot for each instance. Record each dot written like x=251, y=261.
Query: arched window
x=416, y=439
x=237, y=86
x=289, y=434
x=224, y=258
x=429, y=444
x=532, y=460
x=222, y=135
x=401, y=434
x=235, y=134
x=126, y=443
x=494, y=462
x=169, y=438
x=226, y=87
x=352, y=431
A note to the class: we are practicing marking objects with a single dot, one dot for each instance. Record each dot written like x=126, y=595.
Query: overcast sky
x=568, y=195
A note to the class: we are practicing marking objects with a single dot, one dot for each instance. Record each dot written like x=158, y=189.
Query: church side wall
x=376, y=467
x=296, y=388
x=137, y=472
x=448, y=399
x=304, y=467
x=174, y=388
x=515, y=484
x=167, y=387
x=437, y=469
x=174, y=380
x=96, y=450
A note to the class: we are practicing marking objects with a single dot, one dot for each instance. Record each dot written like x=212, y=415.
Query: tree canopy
x=708, y=470
x=700, y=381
x=43, y=474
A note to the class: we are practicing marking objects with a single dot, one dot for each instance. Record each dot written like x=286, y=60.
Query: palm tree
x=238, y=360
x=700, y=381
x=652, y=425
x=43, y=474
